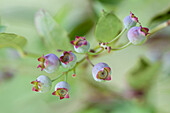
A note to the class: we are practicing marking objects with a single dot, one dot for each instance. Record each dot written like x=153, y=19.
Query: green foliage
x=12, y=40
x=160, y=18
x=62, y=14
x=54, y=35
x=107, y=27
x=78, y=26
x=81, y=29
x=128, y=107
x=143, y=74
x=110, y=1
x=92, y=110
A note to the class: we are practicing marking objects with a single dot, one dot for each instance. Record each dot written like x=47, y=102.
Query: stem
x=60, y=50
x=125, y=46
x=89, y=61
x=80, y=61
x=89, y=53
x=57, y=77
x=66, y=72
x=74, y=71
x=97, y=47
x=118, y=36
x=31, y=55
x=159, y=27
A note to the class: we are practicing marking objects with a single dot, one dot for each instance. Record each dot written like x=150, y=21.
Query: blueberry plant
x=107, y=32
x=136, y=34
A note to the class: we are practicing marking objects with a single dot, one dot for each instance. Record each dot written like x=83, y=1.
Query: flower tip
x=144, y=30
x=72, y=42
x=54, y=93
x=67, y=96
x=34, y=89
x=32, y=82
x=38, y=66
x=61, y=98
x=131, y=12
x=109, y=77
x=77, y=36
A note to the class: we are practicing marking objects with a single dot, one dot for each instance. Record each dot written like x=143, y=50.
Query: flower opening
x=66, y=57
x=79, y=41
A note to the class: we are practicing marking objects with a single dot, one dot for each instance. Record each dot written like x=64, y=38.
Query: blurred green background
x=140, y=74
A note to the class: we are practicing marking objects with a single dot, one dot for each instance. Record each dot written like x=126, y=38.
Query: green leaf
x=110, y=1
x=107, y=27
x=74, y=26
x=62, y=14
x=82, y=28
x=91, y=110
x=143, y=74
x=12, y=40
x=160, y=18
x=2, y=28
x=130, y=107
x=54, y=35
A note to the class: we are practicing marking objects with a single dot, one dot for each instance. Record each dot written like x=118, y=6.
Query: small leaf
x=107, y=27
x=2, y=28
x=143, y=74
x=12, y=40
x=54, y=35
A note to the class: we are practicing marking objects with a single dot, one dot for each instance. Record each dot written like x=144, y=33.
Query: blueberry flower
x=137, y=35
x=101, y=72
x=42, y=84
x=68, y=59
x=49, y=63
x=61, y=90
x=105, y=46
x=80, y=44
x=130, y=21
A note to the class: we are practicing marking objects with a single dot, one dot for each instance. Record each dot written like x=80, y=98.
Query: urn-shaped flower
x=80, y=45
x=68, y=59
x=137, y=35
x=130, y=21
x=49, y=63
x=101, y=72
x=42, y=84
x=62, y=90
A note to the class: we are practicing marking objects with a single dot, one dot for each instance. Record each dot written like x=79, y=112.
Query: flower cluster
x=68, y=59
x=50, y=63
x=136, y=35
